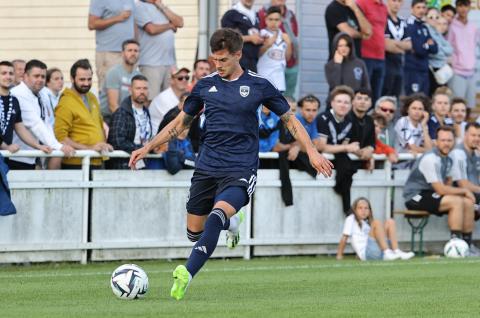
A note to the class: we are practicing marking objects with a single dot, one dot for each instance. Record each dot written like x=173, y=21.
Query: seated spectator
x=441, y=109
x=269, y=132
x=36, y=115
x=180, y=154
x=117, y=80
x=448, y=12
x=428, y=188
x=370, y=238
x=19, y=71
x=335, y=129
x=380, y=147
x=172, y=113
x=131, y=127
x=345, y=68
x=275, y=51
x=411, y=130
x=78, y=120
x=11, y=116
x=201, y=68
x=386, y=106
x=458, y=113
x=416, y=60
x=466, y=163
x=169, y=98
x=440, y=71
x=363, y=129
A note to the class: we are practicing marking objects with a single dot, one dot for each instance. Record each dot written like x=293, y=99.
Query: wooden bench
x=417, y=220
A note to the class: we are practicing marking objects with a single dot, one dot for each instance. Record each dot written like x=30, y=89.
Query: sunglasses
x=183, y=78
x=433, y=17
x=387, y=110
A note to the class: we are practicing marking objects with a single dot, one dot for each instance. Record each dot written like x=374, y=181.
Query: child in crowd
x=275, y=51
x=369, y=236
x=380, y=147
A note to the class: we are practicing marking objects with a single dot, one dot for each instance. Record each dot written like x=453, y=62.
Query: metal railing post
x=85, y=206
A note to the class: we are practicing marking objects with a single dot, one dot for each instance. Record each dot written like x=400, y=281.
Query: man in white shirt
x=35, y=115
x=170, y=97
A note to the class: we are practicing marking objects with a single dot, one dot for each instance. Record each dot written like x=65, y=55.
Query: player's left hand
x=320, y=163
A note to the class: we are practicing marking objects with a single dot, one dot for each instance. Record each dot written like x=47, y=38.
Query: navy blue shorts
x=208, y=188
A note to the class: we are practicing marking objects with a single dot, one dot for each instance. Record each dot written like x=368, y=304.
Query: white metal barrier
x=122, y=214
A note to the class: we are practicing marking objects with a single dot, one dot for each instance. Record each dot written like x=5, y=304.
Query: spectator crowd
x=396, y=85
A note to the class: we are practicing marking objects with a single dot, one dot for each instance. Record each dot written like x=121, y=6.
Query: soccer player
x=225, y=172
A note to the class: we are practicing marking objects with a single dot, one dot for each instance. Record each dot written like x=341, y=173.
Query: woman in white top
x=368, y=236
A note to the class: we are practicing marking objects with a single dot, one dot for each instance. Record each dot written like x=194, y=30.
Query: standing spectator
x=428, y=188
x=345, y=68
x=131, y=126
x=448, y=12
x=170, y=97
x=442, y=27
x=11, y=117
x=440, y=71
x=346, y=16
x=157, y=25
x=458, y=113
x=288, y=25
x=275, y=51
x=19, y=70
x=118, y=79
x=416, y=60
x=335, y=129
x=464, y=36
x=244, y=19
x=36, y=115
x=363, y=129
x=373, y=48
x=78, y=120
x=396, y=44
x=201, y=68
x=6, y=204
x=411, y=130
x=386, y=106
x=113, y=23
x=440, y=112
x=51, y=92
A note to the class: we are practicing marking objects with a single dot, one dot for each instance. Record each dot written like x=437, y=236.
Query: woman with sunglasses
x=439, y=60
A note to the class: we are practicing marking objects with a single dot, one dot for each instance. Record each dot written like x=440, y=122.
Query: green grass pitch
x=262, y=287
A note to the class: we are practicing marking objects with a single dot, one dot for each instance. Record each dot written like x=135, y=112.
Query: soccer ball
x=129, y=281
x=456, y=248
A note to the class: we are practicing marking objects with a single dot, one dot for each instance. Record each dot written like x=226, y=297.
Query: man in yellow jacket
x=78, y=120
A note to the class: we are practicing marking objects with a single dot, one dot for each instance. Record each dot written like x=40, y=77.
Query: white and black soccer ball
x=129, y=281
x=456, y=248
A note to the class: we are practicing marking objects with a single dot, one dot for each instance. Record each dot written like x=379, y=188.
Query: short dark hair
x=82, y=63
x=200, y=61
x=415, y=2
x=448, y=7
x=6, y=63
x=228, y=39
x=462, y=3
x=459, y=100
x=35, y=63
x=364, y=91
x=408, y=100
x=273, y=9
x=446, y=128
x=308, y=98
x=139, y=77
x=50, y=71
x=474, y=124
x=129, y=41
x=341, y=89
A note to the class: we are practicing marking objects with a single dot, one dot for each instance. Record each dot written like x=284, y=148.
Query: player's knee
x=194, y=236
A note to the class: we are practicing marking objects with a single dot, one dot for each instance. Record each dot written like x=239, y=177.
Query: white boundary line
x=252, y=268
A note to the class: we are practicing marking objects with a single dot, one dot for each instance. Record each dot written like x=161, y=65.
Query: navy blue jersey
x=336, y=132
x=230, y=140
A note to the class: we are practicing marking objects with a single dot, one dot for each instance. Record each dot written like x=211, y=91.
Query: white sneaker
x=404, y=255
x=389, y=255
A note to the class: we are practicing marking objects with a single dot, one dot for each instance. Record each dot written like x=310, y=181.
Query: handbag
x=443, y=74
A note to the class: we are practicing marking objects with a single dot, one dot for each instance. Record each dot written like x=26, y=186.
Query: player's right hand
x=137, y=155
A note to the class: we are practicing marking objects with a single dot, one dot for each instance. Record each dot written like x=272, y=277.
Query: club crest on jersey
x=244, y=91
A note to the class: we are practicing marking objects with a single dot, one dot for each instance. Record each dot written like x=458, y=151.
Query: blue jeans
x=376, y=74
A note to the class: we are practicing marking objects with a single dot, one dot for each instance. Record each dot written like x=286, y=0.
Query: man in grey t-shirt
x=118, y=80
x=429, y=188
x=113, y=23
x=157, y=25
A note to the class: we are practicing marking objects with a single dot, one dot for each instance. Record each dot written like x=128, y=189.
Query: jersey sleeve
x=142, y=16
x=194, y=102
x=96, y=8
x=16, y=106
x=430, y=167
x=322, y=126
x=274, y=100
x=334, y=16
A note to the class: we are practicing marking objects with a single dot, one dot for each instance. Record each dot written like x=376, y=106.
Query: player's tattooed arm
x=187, y=120
x=288, y=120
